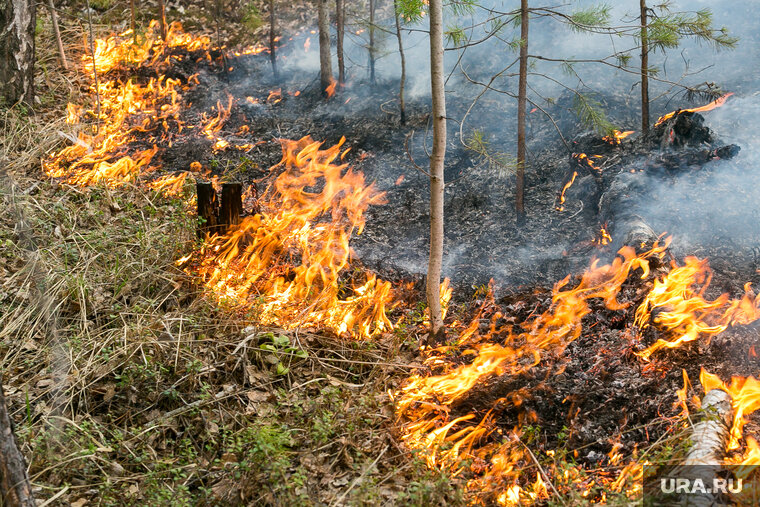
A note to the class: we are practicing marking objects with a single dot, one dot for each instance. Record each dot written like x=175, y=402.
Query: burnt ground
x=482, y=239
x=597, y=388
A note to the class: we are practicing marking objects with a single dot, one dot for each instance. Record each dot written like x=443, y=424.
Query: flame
x=560, y=206
x=170, y=185
x=683, y=311
x=745, y=398
x=127, y=107
x=617, y=136
x=275, y=96
x=707, y=107
x=288, y=261
x=119, y=50
x=210, y=126
x=603, y=237
x=424, y=403
x=330, y=90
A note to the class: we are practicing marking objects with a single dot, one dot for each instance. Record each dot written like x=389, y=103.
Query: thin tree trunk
x=133, y=20
x=644, y=69
x=272, y=55
x=162, y=18
x=17, y=23
x=372, y=41
x=57, y=33
x=325, y=62
x=15, y=489
x=522, y=95
x=94, y=62
x=436, y=170
x=402, y=103
x=340, y=20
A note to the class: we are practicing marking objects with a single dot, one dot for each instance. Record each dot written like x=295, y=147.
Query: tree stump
x=232, y=204
x=207, y=209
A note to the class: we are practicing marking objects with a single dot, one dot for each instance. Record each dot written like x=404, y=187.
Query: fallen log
x=15, y=488
x=703, y=461
x=710, y=434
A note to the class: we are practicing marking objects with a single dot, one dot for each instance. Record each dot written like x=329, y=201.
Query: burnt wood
x=15, y=488
x=232, y=204
x=207, y=209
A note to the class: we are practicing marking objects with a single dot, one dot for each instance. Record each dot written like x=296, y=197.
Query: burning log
x=709, y=436
x=207, y=208
x=15, y=489
x=232, y=204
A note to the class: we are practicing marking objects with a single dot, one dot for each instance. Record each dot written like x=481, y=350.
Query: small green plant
x=101, y=5
x=279, y=351
x=251, y=17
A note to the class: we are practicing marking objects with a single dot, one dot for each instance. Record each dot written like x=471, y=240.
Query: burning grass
x=128, y=386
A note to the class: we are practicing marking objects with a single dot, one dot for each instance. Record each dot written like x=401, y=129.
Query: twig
x=541, y=470
x=356, y=481
x=94, y=65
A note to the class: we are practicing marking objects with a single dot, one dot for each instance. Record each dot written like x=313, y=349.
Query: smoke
x=714, y=206
x=703, y=208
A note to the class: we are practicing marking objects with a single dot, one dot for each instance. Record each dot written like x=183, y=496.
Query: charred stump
x=207, y=209
x=15, y=487
x=218, y=216
x=232, y=204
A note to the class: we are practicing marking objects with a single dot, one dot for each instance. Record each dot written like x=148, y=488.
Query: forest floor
x=128, y=383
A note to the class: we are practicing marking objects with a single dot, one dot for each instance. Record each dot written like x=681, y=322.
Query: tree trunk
x=57, y=33
x=340, y=21
x=372, y=41
x=436, y=170
x=522, y=95
x=402, y=103
x=325, y=62
x=162, y=18
x=272, y=55
x=15, y=489
x=17, y=23
x=133, y=20
x=644, y=69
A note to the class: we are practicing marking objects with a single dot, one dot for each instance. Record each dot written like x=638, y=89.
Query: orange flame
x=275, y=96
x=289, y=260
x=423, y=403
x=330, y=90
x=686, y=313
x=617, y=136
x=126, y=108
x=561, y=198
x=603, y=237
x=707, y=107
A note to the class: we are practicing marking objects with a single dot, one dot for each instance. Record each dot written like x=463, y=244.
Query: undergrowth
x=128, y=385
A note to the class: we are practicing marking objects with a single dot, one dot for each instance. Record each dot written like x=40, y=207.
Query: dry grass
x=129, y=386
